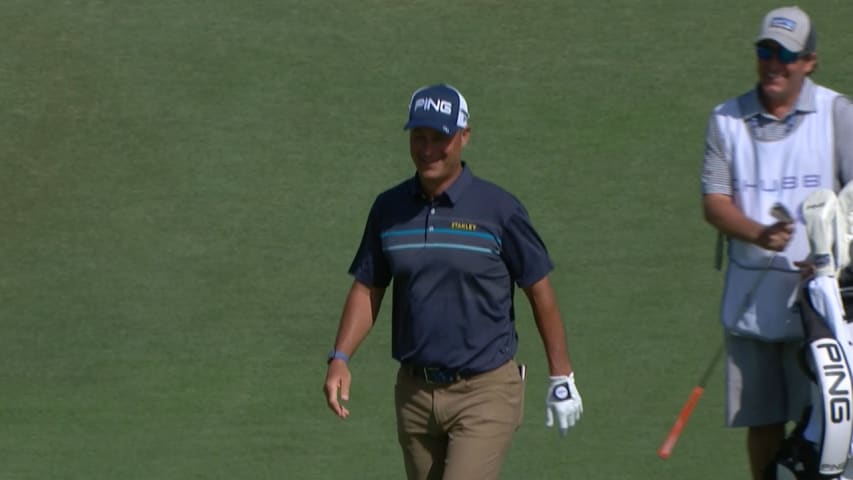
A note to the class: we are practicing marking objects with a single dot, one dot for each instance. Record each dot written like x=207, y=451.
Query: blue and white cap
x=439, y=107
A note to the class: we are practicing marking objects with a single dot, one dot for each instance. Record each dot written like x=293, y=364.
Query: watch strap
x=338, y=355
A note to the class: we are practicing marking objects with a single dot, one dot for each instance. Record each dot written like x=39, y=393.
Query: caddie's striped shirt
x=454, y=262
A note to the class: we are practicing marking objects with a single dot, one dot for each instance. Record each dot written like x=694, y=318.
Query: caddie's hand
x=563, y=402
x=776, y=237
x=807, y=269
x=820, y=265
x=338, y=379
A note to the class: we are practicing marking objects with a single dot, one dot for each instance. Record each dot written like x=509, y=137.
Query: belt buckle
x=438, y=376
x=427, y=376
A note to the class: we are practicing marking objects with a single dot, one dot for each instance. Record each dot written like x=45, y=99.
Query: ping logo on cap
x=784, y=23
x=427, y=104
x=439, y=107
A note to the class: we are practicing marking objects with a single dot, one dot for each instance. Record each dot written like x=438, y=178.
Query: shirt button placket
x=430, y=226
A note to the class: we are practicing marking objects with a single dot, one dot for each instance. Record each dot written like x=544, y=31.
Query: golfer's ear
x=466, y=133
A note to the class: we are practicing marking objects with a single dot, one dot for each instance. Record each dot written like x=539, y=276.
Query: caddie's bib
x=760, y=284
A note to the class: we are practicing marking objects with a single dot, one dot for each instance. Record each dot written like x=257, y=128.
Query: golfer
x=455, y=247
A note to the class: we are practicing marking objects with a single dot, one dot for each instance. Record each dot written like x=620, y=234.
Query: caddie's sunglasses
x=766, y=52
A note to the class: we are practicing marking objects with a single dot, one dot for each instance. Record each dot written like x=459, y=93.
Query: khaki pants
x=460, y=431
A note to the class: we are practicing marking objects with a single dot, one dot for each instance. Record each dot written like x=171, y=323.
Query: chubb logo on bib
x=774, y=185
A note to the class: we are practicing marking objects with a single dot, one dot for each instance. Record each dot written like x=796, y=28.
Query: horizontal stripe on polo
x=453, y=262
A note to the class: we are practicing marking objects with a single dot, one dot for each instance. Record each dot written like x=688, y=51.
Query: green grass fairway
x=183, y=185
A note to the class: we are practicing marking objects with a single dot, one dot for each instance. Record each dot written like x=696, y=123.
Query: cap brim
x=442, y=128
x=784, y=41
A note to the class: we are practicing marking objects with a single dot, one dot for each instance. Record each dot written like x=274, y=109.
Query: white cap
x=789, y=27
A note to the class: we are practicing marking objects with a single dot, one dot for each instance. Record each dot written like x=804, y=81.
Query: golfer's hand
x=338, y=379
x=563, y=402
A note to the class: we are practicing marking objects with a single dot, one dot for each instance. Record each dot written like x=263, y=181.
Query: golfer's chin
x=431, y=170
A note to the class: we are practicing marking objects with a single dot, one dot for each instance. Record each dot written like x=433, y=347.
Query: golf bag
x=820, y=445
x=826, y=354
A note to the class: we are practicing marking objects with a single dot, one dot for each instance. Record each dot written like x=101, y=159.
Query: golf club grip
x=668, y=444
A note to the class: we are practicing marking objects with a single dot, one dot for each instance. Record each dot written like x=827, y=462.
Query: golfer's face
x=437, y=157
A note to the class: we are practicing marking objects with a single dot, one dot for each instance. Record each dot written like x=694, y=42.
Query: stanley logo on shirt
x=463, y=226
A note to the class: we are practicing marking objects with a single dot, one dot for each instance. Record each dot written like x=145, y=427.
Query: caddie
x=777, y=142
x=455, y=247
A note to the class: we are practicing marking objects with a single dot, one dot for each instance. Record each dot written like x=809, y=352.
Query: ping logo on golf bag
x=427, y=104
x=836, y=381
x=833, y=382
x=832, y=467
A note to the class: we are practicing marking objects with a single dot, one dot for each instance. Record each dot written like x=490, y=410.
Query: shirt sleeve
x=523, y=252
x=370, y=266
x=716, y=174
x=842, y=111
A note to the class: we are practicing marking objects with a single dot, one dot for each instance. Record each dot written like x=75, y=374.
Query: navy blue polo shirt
x=454, y=262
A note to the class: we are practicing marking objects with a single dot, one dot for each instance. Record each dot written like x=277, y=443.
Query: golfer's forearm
x=721, y=212
x=550, y=326
x=360, y=310
x=554, y=340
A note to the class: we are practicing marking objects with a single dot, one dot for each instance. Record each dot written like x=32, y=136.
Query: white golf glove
x=564, y=402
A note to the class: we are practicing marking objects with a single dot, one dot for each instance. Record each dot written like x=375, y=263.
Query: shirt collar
x=751, y=106
x=454, y=191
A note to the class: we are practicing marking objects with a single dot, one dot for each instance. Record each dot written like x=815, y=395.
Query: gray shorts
x=765, y=384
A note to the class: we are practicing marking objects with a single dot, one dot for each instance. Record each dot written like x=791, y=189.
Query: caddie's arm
x=722, y=213
x=543, y=302
x=842, y=119
x=360, y=310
